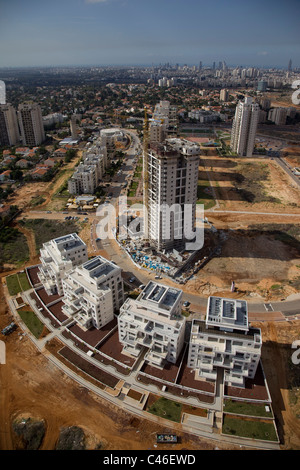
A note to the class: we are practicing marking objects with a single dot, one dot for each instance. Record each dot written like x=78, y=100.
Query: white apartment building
x=88, y=174
x=153, y=321
x=31, y=124
x=84, y=180
x=96, y=157
x=93, y=292
x=58, y=256
x=244, y=127
x=9, y=128
x=170, y=193
x=225, y=340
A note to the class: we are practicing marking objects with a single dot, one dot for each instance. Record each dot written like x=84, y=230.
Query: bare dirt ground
x=23, y=195
x=283, y=378
x=292, y=155
x=223, y=173
x=260, y=262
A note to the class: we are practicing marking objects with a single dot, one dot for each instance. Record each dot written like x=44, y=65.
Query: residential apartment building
x=93, y=292
x=167, y=114
x=224, y=95
x=153, y=321
x=96, y=157
x=225, y=341
x=170, y=193
x=73, y=127
x=89, y=172
x=244, y=127
x=31, y=124
x=58, y=256
x=157, y=131
x=9, y=128
x=278, y=115
x=84, y=180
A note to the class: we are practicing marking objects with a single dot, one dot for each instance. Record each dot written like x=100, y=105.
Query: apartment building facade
x=153, y=321
x=167, y=114
x=225, y=341
x=278, y=115
x=244, y=127
x=93, y=292
x=58, y=256
x=31, y=124
x=9, y=128
x=96, y=158
x=170, y=193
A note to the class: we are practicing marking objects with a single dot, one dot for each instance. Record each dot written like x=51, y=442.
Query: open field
x=250, y=184
x=31, y=193
x=263, y=260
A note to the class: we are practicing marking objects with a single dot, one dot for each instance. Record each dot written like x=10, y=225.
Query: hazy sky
x=121, y=32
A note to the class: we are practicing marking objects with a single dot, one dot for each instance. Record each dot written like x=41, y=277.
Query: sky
x=146, y=32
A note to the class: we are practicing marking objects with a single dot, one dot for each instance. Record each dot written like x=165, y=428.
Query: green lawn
x=24, y=283
x=32, y=322
x=167, y=409
x=17, y=283
x=253, y=429
x=244, y=408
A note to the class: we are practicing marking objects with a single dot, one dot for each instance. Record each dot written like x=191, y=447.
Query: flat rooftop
x=227, y=313
x=69, y=241
x=159, y=295
x=98, y=267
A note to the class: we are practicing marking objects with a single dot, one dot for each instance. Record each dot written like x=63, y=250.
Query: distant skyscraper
x=31, y=124
x=200, y=66
x=290, y=65
x=262, y=85
x=244, y=127
x=73, y=127
x=224, y=95
x=9, y=129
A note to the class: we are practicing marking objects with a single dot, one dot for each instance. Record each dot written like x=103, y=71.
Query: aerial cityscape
x=149, y=227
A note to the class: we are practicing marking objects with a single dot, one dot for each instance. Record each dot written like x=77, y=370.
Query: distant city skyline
x=37, y=33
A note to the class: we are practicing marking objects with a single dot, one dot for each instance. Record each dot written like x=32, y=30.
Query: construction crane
x=145, y=172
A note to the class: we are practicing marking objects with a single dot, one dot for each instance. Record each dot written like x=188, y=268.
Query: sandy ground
x=24, y=194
